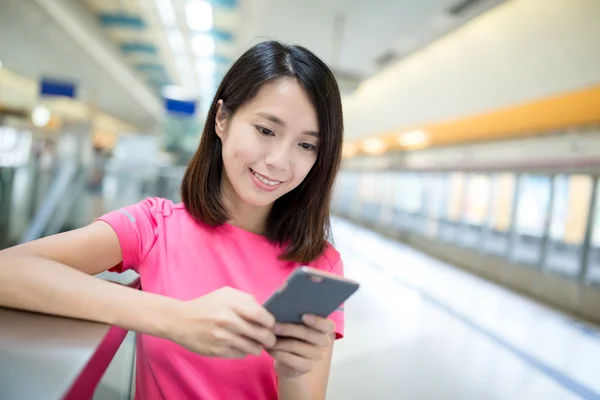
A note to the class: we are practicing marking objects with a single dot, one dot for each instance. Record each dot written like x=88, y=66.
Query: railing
x=51, y=215
x=50, y=357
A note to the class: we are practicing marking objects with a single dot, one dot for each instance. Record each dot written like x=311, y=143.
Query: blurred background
x=468, y=202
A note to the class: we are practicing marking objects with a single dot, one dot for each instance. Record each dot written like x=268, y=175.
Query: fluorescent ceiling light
x=413, y=138
x=206, y=67
x=178, y=93
x=374, y=146
x=176, y=42
x=166, y=13
x=203, y=45
x=40, y=116
x=199, y=15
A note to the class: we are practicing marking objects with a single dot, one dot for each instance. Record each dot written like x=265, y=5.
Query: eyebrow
x=279, y=122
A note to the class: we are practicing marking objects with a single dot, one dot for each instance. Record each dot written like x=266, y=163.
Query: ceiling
x=34, y=44
x=125, y=52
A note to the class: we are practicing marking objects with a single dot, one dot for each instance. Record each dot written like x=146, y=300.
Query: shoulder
x=155, y=207
x=158, y=205
x=328, y=260
x=146, y=212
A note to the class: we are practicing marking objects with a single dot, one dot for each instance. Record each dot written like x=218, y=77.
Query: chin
x=255, y=200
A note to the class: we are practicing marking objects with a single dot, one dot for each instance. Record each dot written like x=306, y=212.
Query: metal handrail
x=44, y=215
x=25, y=375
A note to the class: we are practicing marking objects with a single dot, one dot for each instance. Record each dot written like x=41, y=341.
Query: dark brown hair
x=299, y=220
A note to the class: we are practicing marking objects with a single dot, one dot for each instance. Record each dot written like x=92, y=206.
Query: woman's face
x=269, y=144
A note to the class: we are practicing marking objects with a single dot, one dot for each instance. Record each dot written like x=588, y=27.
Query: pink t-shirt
x=179, y=257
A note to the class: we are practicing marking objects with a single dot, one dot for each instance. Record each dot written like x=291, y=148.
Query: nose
x=278, y=157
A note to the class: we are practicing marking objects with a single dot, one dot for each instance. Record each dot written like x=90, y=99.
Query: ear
x=220, y=119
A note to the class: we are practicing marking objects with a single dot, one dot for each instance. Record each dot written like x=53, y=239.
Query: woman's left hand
x=300, y=347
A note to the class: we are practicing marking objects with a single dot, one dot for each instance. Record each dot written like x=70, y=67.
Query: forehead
x=286, y=100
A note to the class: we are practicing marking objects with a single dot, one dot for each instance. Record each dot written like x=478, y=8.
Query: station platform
x=422, y=329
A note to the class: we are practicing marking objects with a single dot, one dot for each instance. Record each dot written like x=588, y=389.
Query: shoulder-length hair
x=300, y=219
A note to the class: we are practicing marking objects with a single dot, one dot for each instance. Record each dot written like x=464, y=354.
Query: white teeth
x=268, y=182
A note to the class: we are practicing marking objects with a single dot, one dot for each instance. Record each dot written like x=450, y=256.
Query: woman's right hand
x=226, y=323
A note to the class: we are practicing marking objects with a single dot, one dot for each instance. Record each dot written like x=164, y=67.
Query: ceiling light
x=415, y=138
x=40, y=116
x=177, y=93
x=374, y=146
x=203, y=45
x=166, y=13
x=176, y=42
x=199, y=15
x=206, y=67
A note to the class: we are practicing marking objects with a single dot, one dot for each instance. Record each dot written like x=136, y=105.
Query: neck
x=247, y=217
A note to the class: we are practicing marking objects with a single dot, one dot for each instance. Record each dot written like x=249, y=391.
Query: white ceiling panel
x=41, y=47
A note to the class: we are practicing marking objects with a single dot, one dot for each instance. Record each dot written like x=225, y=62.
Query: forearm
x=37, y=284
x=293, y=389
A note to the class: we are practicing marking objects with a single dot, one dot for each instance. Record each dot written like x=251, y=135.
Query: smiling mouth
x=264, y=179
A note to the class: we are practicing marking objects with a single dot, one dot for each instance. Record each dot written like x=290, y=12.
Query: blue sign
x=185, y=107
x=54, y=87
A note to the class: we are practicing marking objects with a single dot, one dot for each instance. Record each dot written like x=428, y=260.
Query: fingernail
x=309, y=319
x=277, y=328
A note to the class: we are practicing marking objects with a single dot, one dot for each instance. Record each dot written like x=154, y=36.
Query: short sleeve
x=338, y=316
x=330, y=261
x=136, y=228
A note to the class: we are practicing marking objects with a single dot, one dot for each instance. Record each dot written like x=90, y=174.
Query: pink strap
x=89, y=378
x=87, y=381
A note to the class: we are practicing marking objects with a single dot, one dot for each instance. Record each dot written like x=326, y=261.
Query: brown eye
x=264, y=131
x=308, y=146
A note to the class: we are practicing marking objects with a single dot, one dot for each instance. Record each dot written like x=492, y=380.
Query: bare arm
x=313, y=385
x=53, y=275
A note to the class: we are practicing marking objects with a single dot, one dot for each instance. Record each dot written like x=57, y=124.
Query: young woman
x=255, y=206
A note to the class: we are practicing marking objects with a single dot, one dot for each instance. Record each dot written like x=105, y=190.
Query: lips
x=265, y=179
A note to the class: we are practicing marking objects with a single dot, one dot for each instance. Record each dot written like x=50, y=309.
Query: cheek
x=302, y=168
x=238, y=149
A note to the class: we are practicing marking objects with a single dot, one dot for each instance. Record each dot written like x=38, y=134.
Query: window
x=503, y=192
x=571, y=204
x=477, y=199
x=533, y=204
x=570, y=208
x=457, y=191
x=593, y=267
x=532, y=213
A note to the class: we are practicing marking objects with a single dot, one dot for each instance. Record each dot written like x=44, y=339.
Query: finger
x=233, y=353
x=298, y=363
x=300, y=348
x=319, y=323
x=239, y=343
x=255, y=332
x=251, y=311
x=302, y=332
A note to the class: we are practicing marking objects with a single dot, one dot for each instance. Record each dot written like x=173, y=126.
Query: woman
x=255, y=206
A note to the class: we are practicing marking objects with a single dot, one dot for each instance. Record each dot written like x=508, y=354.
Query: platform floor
x=421, y=329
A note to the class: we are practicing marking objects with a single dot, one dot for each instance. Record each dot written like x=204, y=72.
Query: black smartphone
x=309, y=291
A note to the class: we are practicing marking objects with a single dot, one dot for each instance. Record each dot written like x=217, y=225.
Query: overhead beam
x=71, y=17
x=561, y=112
